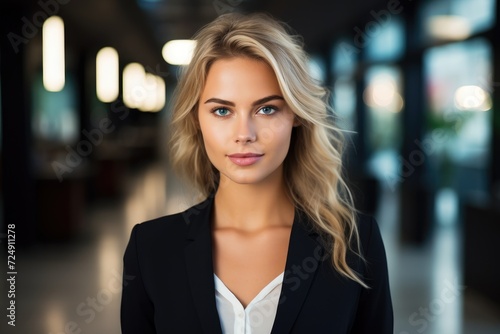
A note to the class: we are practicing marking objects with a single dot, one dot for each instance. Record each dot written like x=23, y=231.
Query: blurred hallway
x=414, y=84
x=66, y=287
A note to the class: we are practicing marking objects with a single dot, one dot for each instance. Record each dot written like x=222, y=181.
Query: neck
x=252, y=207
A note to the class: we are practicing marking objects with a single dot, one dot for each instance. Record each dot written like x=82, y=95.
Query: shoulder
x=162, y=225
x=174, y=227
x=372, y=246
x=374, y=305
x=156, y=235
x=367, y=227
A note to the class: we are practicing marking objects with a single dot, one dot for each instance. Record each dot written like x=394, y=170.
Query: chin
x=244, y=179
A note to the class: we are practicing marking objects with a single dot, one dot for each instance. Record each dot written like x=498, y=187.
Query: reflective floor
x=75, y=288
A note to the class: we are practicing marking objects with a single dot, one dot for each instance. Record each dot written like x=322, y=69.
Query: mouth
x=245, y=159
x=245, y=155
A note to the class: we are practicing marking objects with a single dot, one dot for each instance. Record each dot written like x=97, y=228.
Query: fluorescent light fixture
x=107, y=76
x=134, y=93
x=53, y=54
x=449, y=27
x=179, y=51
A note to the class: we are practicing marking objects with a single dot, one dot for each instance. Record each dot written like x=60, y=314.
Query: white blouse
x=257, y=317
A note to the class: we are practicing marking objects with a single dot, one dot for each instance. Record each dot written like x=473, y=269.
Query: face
x=244, y=120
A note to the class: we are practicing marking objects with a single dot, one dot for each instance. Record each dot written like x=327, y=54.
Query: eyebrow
x=259, y=101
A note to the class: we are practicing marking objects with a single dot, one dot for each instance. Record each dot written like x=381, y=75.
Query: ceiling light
x=160, y=94
x=178, y=52
x=134, y=77
x=53, y=54
x=107, y=76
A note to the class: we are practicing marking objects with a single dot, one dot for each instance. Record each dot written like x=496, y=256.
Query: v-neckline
x=226, y=292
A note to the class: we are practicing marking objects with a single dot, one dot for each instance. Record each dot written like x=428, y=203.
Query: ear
x=296, y=122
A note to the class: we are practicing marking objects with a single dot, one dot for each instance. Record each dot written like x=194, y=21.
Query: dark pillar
x=481, y=228
x=416, y=199
x=17, y=165
x=495, y=140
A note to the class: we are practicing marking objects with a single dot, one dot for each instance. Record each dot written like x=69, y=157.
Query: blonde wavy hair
x=313, y=166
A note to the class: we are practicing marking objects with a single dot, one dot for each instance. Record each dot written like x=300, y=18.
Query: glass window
x=456, y=19
x=389, y=43
x=344, y=57
x=317, y=69
x=55, y=116
x=344, y=102
x=384, y=102
x=458, y=81
x=343, y=60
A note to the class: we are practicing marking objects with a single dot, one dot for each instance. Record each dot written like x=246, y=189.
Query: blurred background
x=85, y=92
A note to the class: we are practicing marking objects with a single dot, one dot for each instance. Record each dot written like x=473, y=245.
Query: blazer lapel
x=199, y=265
x=303, y=258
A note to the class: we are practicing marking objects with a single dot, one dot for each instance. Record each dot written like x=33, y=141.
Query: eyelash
x=214, y=110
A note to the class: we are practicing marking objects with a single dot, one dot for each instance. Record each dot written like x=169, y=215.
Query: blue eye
x=268, y=110
x=221, y=112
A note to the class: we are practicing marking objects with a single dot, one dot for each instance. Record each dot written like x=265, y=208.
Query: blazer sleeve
x=137, y=310
x=375, y=313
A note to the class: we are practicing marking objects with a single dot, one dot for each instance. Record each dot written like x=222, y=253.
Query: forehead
x=240, y=76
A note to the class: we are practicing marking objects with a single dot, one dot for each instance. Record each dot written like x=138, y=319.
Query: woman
x=276, y=246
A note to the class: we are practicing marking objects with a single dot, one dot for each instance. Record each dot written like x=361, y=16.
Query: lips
x=245, y=159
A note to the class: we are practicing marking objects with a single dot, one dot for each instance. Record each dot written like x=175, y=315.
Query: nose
x=245, y=130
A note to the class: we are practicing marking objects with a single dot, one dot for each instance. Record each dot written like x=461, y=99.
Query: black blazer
x=168, y=283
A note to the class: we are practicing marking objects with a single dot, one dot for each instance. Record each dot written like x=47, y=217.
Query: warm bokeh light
x=472, y=98
x=382, y=93
x=160, y=94
x=107, y=76
x=54, y=316
x=109, y=261
x=150, y=84
x=178, y=52
x=53, y=54
x=154, y=87
x=134, y=76
x=449, y=27
x=141, y=90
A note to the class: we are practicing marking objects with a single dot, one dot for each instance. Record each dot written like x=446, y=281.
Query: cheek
x=213, y=139
x=281, y=132
x=284, y=140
